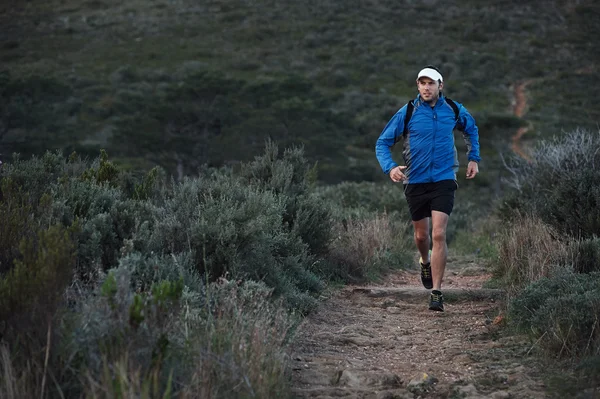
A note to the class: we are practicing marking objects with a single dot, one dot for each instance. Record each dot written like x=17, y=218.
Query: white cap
x=430, y=73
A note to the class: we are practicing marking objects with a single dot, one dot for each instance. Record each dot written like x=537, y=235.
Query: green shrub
x=32, y=177
x=43, y=267
x=561, y=313
x=236, y=230
x=104, y=172
x=36, y=254
x=17, y=215
x=145, y=252
x=115, y=321
x=31, y=290
x=150, y=269
x=291, y=177
x=106, y=219
x=53, y=189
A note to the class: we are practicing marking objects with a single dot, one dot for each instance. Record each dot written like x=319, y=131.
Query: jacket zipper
x=433, y=142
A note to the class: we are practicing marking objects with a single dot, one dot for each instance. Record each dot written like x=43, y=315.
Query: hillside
x=185, y=83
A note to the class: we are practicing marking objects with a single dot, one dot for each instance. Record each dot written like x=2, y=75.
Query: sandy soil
x=381, y=341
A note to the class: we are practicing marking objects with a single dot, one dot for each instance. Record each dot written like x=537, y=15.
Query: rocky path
x=519, y=108
x=382, y=342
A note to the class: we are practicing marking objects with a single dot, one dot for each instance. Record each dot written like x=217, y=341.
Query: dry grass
x=122, y=380
x=529, y=250
x=244, y=355
x=18, y=382
x=363, y=246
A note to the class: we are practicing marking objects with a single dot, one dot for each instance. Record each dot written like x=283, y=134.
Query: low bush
x=292, y=177
x=558, y=186
x=561, y=313
x=573, y=205
x=227, y=340
x=233, y=230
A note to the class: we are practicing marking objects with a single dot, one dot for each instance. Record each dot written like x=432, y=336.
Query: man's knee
x=421, y=236
x=439, y=235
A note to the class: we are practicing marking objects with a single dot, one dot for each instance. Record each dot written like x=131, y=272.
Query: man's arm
x=387, y=139
x=470, y=133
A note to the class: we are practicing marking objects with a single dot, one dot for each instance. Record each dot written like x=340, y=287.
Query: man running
x=426, y=126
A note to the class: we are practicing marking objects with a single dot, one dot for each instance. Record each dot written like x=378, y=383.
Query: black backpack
x=409, y=111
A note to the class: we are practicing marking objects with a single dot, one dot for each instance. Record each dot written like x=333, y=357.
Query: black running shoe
x=426, y=274
x=436, y=302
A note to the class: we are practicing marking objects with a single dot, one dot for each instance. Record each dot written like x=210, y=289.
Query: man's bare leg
x=439, y=252
x=421, y=232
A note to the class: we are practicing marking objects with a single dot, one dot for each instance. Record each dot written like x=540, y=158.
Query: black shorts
x=426, y=197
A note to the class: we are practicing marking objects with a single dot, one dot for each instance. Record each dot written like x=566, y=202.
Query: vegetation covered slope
x=184, y=83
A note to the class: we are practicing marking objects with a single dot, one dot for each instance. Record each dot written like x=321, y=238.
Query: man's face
x=429, y=89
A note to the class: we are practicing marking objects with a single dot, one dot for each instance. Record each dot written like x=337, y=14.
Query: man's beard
x=432, y=99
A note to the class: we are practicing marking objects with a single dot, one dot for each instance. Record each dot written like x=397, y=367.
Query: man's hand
x=472, y=169
x=396, y=174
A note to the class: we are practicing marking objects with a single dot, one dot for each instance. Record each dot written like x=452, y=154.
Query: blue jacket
x=429, y=150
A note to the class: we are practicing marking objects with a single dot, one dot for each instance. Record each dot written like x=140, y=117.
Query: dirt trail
x=520, y=106
x=382, y=342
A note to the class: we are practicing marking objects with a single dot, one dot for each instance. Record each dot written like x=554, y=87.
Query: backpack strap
x=409, y=111
x=454, y=107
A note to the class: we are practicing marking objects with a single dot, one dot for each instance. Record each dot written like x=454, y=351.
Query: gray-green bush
x=558, y=185
x=562, y=313
x=233, y=230
x=292, y=177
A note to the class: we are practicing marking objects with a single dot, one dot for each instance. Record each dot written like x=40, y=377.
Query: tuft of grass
x=244, y=355
x=586, y=254
x=17, y=382
x=528, y=250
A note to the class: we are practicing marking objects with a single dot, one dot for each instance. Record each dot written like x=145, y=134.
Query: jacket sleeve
x=470, y=133
x=387, y=139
